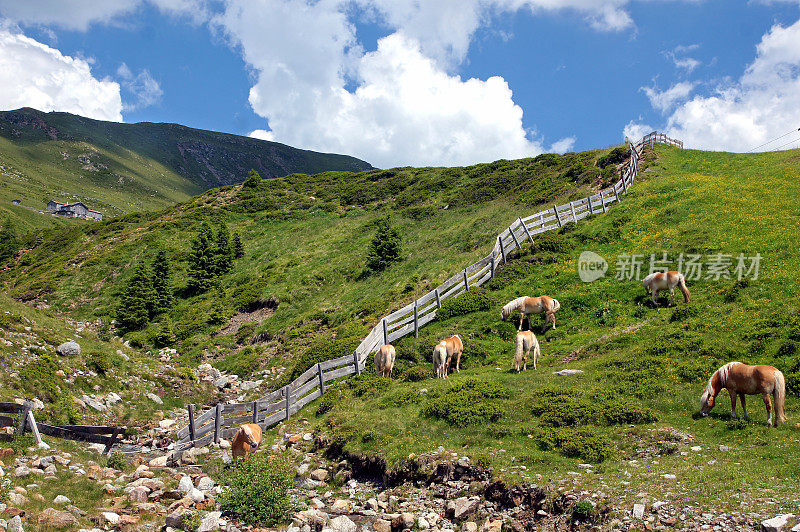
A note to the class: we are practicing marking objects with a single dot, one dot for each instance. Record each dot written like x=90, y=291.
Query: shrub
x=414, y=373
x=419, y=212
x=683, y=313
x=732, y=292
x=323, y=349
x=787, y=348
x=475, y=300
x=186, y=374
x=469, y=402
x=244, y=363
x=63, y=412
x=368, y=384
x=582, y=510
x=38, y=377
x=245, y=332
x=793, y=383
x=257, y=490
x=552, y=242
x=567, y=410
x=384, y=249
x=615, y=156
x=117, y=460
x=399, y=398
x=99, y=363
x=584, y=443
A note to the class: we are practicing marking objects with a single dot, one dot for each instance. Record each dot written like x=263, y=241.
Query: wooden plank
x=399, y=333
x=603, y=202
x=448, y=283
x=310, y=385
x=202, y=440
x=273, y=419
x=10, y=408
x=7, y=421
x=33, y=427
x=457, y=288
x=493, y=264
x=466, y=280
x=60, y=432
x=267, y=409
x=272, y=396
x=288, y=401
x=191, y=422
x=321, y=380
x=539, y=215
x=502, y=249
x=254, y=415
x=430, y=296
x=511, y=231
x=304, y=401
x=235, y=408
x=23, y=418
x=416, y=320
x=237, y=421
x=400, y=323
x=334, y=362
x=356, y=366
x=335, y=374
x=438, y=299
x=399, y=313
x=217, y=423
x=385, y=333
x=572, y=208
x=558, y=218
x=301, y=380
x=483, y=279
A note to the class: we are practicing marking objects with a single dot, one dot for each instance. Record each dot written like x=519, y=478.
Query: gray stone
x=61, y=499
x=342, y=524
x=638, y=511
x=196, y=495
x=110, y=517
x=205, y=484
x=175, y=519
x=153, y=397
x=319, y=474
x=139, y=494
x=222, y=382
x=15, y=524
x=69, y=349
x=185, y=484
x=462, y=507
x=22, y=471
x=775, y=524
x=211, y=521
x=160, y=461
x=568, y=372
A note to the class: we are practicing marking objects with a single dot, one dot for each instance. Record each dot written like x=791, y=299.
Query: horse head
x=706, y=403
x=504, y=314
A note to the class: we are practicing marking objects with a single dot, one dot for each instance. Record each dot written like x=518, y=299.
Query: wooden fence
x=222, y=420
x=24, y=420
x=655, y=136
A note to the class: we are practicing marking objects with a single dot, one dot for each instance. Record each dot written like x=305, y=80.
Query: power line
x=773, y=140
x=782, y=145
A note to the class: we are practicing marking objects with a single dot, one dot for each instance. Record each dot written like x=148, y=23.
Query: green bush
x=469, y=402
x=552, y=242
x=186, y=374
x=38, y=377
x=615, y=156
x=582, y=510
x=399, y=398
x=413, y=373
x=683, y=313
x=246, y=331
x=63, y=412
x=323, y=349
x=244, y=363
x=385, y=247
x=117, y=460
x=368, y=384
x=793, y=384
x=99, y=363
x=787, y=348
x=584, y=442
x=475, y=300
x=569, y=410
x=257, y=490
x=419, y=212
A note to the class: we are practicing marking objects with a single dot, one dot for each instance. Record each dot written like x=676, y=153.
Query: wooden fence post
x=624, y=186
x=541, y=220
x=572, y=208
x=603, y=201
x=502, y=248
x=217, y=422
x=466, y=280
x=514, y=237
x=191, y=424
x=438, y=299
x=525, y=228
x=321, y=379
x=491, y=270
x=255, y=412
x=416, y=319
x=287, y=391
x=23, y=418
x=589, y=201
x=558, y=218
x=34, y=428
x=355, y=362
x=616, y=194
x=385, y=332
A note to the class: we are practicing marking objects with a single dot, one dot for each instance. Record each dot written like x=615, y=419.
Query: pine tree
x=201, y=261
x=222, y=250
x=253, y=180
x=133, y=310
x=162, y=285
x=238, y=247
x=8, y=242
x=164, y=337
x=384, y=249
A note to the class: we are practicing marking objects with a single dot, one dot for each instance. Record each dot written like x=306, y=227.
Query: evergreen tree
x=164, y=337
x=133, y=310
x=8, y=242
x=162, y=285
x=223, y=254
x=253, y=180
x=384, y=249
x=201, y=260
x=238, y=247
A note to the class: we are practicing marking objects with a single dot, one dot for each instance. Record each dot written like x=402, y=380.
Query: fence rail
x=214, y=423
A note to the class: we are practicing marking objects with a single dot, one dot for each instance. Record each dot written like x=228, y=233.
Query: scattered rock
x=14, y=524
x=342, y=524
x=568, y=372
x=153, y=397
x=638, y=511
x=61, y=499
x=69, y=349
x=775, y=524
x=52, y=518
x=319, y=474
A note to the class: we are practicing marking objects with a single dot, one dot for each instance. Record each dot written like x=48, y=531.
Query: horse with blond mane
x=532, y=305
x=443, y=355
x=655, y=282
x=741, y=379
x=384, y=360
x=526, y=341
x=246, y=440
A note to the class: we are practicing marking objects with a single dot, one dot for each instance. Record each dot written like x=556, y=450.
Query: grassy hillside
x=631, y=415
x=118, y=168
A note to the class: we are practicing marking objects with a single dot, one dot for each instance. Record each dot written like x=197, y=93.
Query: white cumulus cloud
x=142, y=89
x=35, y=75
x=762, y=104
x=665, y=100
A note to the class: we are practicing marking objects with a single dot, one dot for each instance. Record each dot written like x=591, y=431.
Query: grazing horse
x=443, y=355
x=740, y=379
x=525, y=342
x=532, y=305
x=246, y=440
x=656, y=282
x=384, y=360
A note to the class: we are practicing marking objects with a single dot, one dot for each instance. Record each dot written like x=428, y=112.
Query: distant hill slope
x=115, y=167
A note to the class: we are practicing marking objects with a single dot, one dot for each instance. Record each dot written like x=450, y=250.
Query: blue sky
x=401, y=82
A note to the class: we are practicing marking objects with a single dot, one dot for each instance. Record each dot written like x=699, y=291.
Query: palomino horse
x=740, y=379
x=443, y=354
x=526, y=341
x=246, y=440
x=532, y=305
x=384, y=360
x=658, y=281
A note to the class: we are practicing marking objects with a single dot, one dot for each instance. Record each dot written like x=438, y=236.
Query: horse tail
x=556, y=305
x=537, y=352
x=683, y=288
x=779, y=395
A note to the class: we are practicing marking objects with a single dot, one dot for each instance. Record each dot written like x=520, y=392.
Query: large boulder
x=51, y=518
x=69, y=349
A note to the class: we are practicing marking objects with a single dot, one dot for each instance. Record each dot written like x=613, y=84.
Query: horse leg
x=654, y=296
x=672, y=296
x=744, y=405
x=768, y=404
x=521, y=317
x=458, y=362
x=733, y=404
